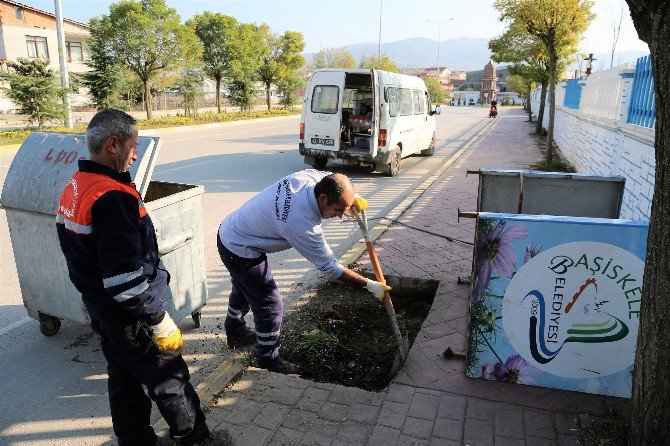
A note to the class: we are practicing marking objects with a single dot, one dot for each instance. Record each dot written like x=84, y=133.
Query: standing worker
x=286, y=214
x=110, y=246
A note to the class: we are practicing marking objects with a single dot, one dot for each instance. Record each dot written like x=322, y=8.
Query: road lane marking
x=226, y=133
x=156, y=170
x=14, y=325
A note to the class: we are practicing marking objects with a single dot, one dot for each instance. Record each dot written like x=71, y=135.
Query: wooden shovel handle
x=376, y=266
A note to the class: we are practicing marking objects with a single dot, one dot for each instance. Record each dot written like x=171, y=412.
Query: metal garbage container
x=39, y=172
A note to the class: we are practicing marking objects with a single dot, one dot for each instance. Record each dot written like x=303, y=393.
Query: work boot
x=285, y=368
x=248, y=338
x=217, y=437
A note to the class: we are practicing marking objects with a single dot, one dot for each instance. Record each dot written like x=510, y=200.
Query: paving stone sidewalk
x=430, y=402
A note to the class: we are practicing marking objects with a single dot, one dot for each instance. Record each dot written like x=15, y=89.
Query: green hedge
x=8, y=137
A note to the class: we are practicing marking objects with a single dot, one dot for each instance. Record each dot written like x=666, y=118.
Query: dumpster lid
x=46, y=161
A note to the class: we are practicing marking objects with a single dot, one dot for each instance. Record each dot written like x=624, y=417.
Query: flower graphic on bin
x=495, y=253
x=531, y=251
x=514, y=370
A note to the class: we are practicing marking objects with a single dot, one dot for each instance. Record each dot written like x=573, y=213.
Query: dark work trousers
x=133, y=360
x=252, y=286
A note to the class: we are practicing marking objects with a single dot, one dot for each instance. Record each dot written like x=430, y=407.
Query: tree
x=249, y=49
x=434, y=89
x=615, y=23
x=190, y=88
x=33, y=87
x=333, y=58
x=529, y=59
x=288, y=87
x=148, y=38
x=379, y=63
x=282, y=59
x=216, y=33
x=106, y=78
x=559, y=26
x=523, y=86
x=650, y=416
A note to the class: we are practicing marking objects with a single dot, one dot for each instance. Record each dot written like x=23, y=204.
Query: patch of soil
x=343, y=335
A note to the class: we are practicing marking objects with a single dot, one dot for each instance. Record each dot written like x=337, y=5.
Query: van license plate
x=323, y=141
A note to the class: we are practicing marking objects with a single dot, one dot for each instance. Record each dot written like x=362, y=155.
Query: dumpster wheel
x=196, y=318
x=49, y=325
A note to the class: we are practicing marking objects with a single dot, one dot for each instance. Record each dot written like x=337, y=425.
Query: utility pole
x=64, y=80
x=439, y=37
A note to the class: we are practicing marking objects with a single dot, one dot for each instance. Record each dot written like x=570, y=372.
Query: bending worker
x=286, y=214
x=112, y=256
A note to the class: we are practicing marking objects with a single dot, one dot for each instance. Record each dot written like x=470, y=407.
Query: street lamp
x=439, y=25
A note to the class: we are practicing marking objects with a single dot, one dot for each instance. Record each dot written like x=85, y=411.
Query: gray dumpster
x=35, y=180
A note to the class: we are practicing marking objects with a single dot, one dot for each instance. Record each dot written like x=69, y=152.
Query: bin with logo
x=555, y=299
x=39, y=172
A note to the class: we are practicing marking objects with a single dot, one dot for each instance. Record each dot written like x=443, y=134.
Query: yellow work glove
x=359, y=203
x=167, y=336
x=378, y=289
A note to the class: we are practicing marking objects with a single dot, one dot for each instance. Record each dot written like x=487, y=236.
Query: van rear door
x=324, y=114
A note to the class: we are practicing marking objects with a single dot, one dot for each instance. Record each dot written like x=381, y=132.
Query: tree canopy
x=559, y=26
x=33, y=87
x=148, y=37
x=380, y=63
x=217, y=34
x=434, y=89
x=333, y=58
x=282, y=60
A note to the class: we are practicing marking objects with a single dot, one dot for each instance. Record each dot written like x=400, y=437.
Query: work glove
x=359, y=203
x=167, y=336
x=378, y=289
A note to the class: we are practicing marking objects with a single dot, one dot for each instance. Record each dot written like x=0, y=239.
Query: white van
x=365, y=116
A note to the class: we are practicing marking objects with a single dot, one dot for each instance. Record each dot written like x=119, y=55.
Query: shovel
x=403, y=343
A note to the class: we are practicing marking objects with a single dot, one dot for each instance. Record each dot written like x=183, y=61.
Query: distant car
x=366, y=117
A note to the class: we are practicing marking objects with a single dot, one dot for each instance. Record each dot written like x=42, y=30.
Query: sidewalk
x=430, y=402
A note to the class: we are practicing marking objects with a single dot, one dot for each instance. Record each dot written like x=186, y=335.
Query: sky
x=336, y=23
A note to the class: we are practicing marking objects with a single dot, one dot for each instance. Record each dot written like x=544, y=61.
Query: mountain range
x=463, y=53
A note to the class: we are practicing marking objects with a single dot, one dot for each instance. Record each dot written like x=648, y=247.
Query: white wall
x=596, y=139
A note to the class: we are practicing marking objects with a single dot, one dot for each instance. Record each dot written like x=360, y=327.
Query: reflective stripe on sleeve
x=121, y=278
x=132, y=292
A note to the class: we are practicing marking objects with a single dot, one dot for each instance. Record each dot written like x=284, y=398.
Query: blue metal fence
x=573, y=94
x=642, y=109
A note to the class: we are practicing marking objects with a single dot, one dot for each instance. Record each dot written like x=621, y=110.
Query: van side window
x=325, y=99
x=405, y=101
x=394, y=101
x=419, y=104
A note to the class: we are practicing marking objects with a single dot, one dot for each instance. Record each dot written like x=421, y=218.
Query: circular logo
x=573, y=309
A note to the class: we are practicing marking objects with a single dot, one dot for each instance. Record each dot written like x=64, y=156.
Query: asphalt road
x=53, y=390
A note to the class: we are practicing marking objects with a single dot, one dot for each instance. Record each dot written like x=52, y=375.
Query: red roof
x=11, y=2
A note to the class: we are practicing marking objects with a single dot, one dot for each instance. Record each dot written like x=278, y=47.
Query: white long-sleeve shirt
x=282, y=216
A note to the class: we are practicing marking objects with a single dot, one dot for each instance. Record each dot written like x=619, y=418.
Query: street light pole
x=439, y=37
x=379, y=47
x=64, y=79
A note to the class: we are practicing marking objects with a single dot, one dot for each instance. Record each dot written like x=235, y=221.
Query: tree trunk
x=267, y=95
x=147, y=99
x=529, y=109
x=540, y=114
x=218, y=94
x=650, y=416
x=553, y=62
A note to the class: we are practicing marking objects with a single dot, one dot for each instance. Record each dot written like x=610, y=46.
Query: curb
x=357, y=250
x=229, y=368
x=211, y=125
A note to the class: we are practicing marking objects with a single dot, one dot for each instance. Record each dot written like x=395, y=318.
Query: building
x=31, y=33
x=483, y=81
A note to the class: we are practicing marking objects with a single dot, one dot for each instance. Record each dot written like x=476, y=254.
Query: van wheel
x=394, y=165
x=431, y=148
x=320, y=163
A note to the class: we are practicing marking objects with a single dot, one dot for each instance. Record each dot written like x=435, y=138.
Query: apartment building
x=31, y=33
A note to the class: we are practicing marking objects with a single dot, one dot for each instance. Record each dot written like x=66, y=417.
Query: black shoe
x=248, y=338
x=285, y=367
x=219, y=437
